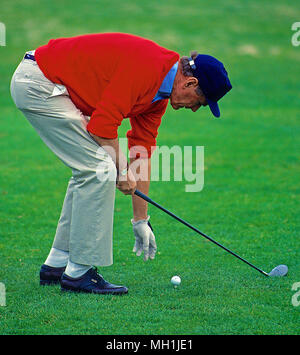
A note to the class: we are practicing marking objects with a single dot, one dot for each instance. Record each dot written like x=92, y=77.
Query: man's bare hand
x=126, y=184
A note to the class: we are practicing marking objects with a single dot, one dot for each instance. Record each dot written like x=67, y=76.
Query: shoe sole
x=49, y=282
x=63, y=289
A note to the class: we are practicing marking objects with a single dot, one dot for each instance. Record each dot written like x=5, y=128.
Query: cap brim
x=214, y=108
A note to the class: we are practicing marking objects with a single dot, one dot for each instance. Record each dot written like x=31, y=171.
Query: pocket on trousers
x=23, y=77
x=59, y=90
x=28, y=94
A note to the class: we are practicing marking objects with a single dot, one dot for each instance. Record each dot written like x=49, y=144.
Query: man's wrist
x=140, y=217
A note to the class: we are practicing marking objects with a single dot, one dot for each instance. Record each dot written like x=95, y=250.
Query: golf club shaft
x=146, y=198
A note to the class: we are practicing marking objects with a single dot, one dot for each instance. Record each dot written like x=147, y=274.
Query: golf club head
x=280, y=270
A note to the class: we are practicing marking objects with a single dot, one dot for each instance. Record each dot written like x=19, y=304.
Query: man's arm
x=143, y=133
x=125, y=178
x=144, y=236
x=140, y=206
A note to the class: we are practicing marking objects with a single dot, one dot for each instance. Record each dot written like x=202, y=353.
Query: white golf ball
x=175, y=280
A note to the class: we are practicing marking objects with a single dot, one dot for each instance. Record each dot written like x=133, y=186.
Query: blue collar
x=166, y=87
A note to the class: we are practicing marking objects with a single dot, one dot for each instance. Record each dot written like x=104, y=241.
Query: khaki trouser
x=86, y=223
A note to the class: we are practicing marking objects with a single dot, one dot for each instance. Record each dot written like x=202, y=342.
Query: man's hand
x=144, y=239
x=125, y=180
x=126, y=183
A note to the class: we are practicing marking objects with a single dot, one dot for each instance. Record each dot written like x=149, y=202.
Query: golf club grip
x=143, y=196
x=148, y=199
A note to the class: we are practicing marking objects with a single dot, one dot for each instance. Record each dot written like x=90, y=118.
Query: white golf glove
x=144, y=239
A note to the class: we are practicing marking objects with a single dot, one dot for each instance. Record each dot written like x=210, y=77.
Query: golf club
x=280, y=270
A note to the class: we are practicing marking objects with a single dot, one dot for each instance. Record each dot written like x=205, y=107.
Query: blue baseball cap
x=213, y=79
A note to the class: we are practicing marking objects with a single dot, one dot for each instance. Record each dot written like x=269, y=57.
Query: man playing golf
x=75, y=92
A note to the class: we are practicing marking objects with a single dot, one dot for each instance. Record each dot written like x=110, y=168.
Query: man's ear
x=191, y=82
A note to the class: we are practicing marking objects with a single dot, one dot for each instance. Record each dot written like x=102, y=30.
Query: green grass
x=250, y=200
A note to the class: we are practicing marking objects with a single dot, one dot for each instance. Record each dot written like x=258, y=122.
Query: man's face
x=184, y=95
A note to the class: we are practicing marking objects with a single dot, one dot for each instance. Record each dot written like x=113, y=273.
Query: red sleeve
x=142, y=136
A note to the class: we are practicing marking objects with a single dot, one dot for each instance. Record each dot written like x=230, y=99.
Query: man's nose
x=195, y=108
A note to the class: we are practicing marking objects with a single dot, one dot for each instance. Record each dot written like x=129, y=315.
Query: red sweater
x=111, y=76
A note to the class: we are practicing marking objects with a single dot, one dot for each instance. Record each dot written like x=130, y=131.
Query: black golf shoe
x=50, y=275
x=90, y=282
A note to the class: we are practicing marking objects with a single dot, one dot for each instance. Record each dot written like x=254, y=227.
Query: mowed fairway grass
x=250, y=199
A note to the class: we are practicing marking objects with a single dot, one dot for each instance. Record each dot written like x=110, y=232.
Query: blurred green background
x=250, y=200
